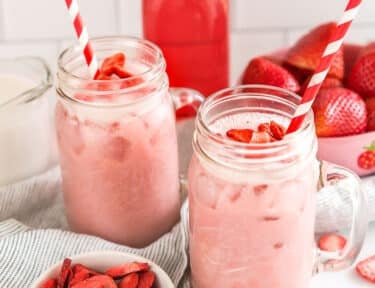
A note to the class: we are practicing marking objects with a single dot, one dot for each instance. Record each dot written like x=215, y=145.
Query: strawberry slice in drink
x=331, y=242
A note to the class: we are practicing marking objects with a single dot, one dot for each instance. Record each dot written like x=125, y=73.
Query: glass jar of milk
x=26, y=128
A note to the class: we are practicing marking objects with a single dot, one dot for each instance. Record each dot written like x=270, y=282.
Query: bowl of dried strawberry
x=109, y=269
x=344, y=108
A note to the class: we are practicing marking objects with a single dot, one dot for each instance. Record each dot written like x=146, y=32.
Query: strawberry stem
x=371, y=147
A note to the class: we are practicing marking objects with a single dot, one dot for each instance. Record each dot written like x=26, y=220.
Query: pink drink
x=252, y=205
x=118, y=153
x=251, y=230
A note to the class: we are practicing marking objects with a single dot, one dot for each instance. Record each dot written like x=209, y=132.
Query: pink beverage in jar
x=252, y=205
x=117, y=144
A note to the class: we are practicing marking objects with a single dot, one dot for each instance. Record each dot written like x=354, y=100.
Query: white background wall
x=43, y=28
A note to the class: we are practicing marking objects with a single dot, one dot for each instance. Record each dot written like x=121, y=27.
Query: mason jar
x=252, y=205
x=117, y=144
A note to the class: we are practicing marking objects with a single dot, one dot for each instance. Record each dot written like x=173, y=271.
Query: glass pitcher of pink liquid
x=117, y=144
x=252, y=206
x=194, y=38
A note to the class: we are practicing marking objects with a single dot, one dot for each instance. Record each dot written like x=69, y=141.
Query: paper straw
x=83, y=37
x=334, y=44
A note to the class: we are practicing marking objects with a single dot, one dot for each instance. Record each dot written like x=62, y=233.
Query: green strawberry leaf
x=371, y=147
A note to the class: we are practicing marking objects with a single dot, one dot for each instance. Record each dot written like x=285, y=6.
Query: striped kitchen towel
x=28, y=245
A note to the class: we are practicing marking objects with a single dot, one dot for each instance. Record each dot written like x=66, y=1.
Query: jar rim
x=151, y=73
x=220, y=142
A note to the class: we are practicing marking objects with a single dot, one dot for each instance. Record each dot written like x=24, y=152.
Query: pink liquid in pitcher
x=193, y=35
x=120, y=169
x=251, y=229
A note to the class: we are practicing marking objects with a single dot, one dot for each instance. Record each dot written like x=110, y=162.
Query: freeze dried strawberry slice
x=65, y=273
x=277, y=131
x=240, y=135
x=121, y=72
x=146, y=280
x=81, y=273
x=125, y=269
x=50, y=283
x=366, y=269
x=99, y=281
x=261, y=137
x=111, y=63
x=129, y=281
x=331, y=242
x=264, y=127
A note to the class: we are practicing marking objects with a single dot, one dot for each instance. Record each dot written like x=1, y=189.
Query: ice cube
x=206, y=191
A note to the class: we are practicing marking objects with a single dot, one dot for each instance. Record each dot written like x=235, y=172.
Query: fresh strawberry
x=306, y=53
x=362, y=77
x=339, y=112
x=263, y=71
x=301, y=75
x=240, y=135
x=366, y=269
x=351, y=52
x=370, y=105
x=329, y=82
x=369, y=48
x=331, y=242
x=366, y=160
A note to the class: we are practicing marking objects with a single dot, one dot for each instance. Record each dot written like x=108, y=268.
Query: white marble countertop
x=349, y=277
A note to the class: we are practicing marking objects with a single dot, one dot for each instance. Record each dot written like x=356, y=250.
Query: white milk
x=25, y=131
x=13, y=85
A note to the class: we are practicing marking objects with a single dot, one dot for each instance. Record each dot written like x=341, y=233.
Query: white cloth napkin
x=33, y=232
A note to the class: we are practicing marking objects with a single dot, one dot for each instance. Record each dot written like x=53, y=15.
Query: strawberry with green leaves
x=366, y=160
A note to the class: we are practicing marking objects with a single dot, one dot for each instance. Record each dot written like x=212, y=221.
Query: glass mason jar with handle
x=117, y=145
x=252, y=206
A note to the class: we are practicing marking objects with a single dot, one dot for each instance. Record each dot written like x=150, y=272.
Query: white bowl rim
x=160, y=273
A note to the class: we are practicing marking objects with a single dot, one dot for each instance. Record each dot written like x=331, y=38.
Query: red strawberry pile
x=345, y=104
x=128, y=275
x=265, y=133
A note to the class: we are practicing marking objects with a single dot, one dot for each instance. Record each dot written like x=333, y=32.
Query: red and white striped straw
x=334, y=44
x=83, y=37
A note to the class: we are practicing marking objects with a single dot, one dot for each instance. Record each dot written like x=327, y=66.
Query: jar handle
x=186, y=101
x=346, y=181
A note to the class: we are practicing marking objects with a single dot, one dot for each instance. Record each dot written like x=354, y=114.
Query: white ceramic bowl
x=100, y=261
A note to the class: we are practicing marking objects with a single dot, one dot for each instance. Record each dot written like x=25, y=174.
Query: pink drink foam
x=120, y=171
x=249, y=234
